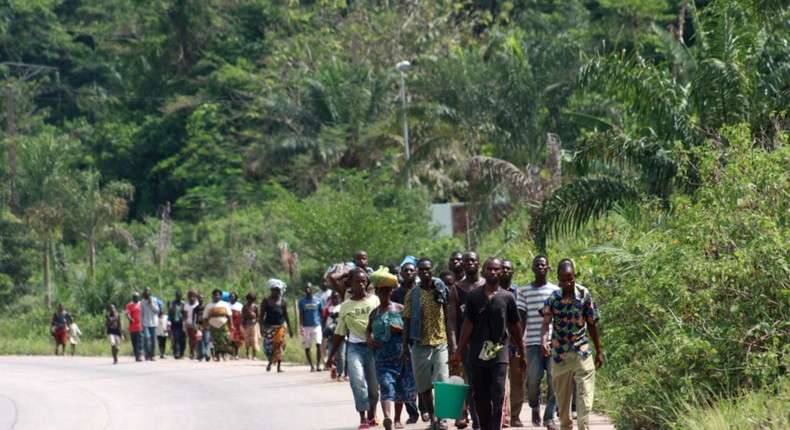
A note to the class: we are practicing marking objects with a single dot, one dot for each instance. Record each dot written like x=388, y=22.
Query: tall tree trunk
x=553, y=163
x=229, y=243
x=47, y=276
x=16, y=208
x=92, y=258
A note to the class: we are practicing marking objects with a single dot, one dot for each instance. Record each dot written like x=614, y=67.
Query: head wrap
x=409, y=259
x=382, y=278
x=275, y=283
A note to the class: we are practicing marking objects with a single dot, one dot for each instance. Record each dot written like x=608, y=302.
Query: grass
x=30, y=337
x=101, y=348
x=763, y=410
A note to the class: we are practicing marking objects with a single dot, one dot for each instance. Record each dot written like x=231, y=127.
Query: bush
x=705, y=312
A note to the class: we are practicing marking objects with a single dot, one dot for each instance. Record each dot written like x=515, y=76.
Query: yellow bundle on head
x=383, y=278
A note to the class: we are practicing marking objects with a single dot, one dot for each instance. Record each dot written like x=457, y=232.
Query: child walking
x=162, y=331
x=74, y=333
x=113, y=324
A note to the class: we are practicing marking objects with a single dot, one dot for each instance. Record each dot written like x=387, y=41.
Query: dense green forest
x=183, y=144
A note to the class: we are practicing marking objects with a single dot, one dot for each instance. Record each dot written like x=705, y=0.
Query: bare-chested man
x=470, y=263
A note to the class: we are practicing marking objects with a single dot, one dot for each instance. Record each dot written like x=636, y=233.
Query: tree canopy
x=181, y=144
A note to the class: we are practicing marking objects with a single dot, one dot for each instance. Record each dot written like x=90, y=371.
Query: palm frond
x=522, y=184
x=680, y=52
x=643, y=158
x=589, y=121
x=575, y=204
x=646, y=92
x=722, y=89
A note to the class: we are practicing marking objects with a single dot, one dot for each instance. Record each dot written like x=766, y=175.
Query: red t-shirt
x=133, y=309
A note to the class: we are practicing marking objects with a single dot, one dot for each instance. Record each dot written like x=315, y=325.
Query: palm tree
x=334, y=117
x=729, y=75
x=44, y=171
x=93, y=208
x=499, y=96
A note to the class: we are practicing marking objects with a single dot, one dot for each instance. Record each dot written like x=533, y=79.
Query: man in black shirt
x=491, y=314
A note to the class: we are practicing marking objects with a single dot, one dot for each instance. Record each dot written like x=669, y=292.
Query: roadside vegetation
x=204, y=144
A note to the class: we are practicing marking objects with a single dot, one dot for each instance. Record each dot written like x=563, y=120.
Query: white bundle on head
x=276, y=283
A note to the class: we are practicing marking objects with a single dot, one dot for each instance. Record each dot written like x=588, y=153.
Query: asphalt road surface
x=86, y=393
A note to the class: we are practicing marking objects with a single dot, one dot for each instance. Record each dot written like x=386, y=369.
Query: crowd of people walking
x=395, y=332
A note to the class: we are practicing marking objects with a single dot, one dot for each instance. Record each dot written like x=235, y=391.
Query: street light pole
x=399, y=67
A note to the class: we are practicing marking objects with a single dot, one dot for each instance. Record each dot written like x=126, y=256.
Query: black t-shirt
x=491, y=318
x=399, y=295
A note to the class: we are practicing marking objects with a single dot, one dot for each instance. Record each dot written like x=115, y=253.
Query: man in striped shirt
x=530, y=300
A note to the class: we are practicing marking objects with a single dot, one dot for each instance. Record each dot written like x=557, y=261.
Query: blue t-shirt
x=311, y=309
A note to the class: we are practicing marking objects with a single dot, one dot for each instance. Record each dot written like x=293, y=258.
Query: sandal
x=398, y=425
x=536, y=418
x=387, y=423
x=363, y=426
x=373, y=422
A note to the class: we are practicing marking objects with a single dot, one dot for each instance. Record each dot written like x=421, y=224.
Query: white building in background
x=452, y=218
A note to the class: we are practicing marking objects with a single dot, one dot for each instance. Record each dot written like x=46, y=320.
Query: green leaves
x=711, y=280
x=573, y=205
x=369, y=214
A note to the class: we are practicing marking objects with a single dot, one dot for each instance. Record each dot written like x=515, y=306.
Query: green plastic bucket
x=449, y=399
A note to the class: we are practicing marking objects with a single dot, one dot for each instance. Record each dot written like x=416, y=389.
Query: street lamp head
x=402, y=65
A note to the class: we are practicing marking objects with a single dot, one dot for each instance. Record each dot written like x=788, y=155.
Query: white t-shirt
x=217, y=314
x=531, y=300
x=236, y=307
x=161, y=328
x=190, y=309
x=333, y=314
x=324, y=296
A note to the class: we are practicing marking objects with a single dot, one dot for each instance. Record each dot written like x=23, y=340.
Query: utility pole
x=399, y=67
x=30, y=71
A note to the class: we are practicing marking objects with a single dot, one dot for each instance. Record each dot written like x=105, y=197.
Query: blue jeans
x=362, y=374
x=149, y=341
x=340, y=356
x=204, y=348
x=537, y=364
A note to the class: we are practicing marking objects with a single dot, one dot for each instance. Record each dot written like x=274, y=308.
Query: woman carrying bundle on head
x=274, y=322
x=385, y=338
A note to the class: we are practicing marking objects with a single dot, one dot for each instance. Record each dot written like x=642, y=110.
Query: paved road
x=91, y=393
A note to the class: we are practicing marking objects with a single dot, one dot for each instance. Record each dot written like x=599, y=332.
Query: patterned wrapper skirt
x=274, y=342
x=237, y=332
x=220, y=337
